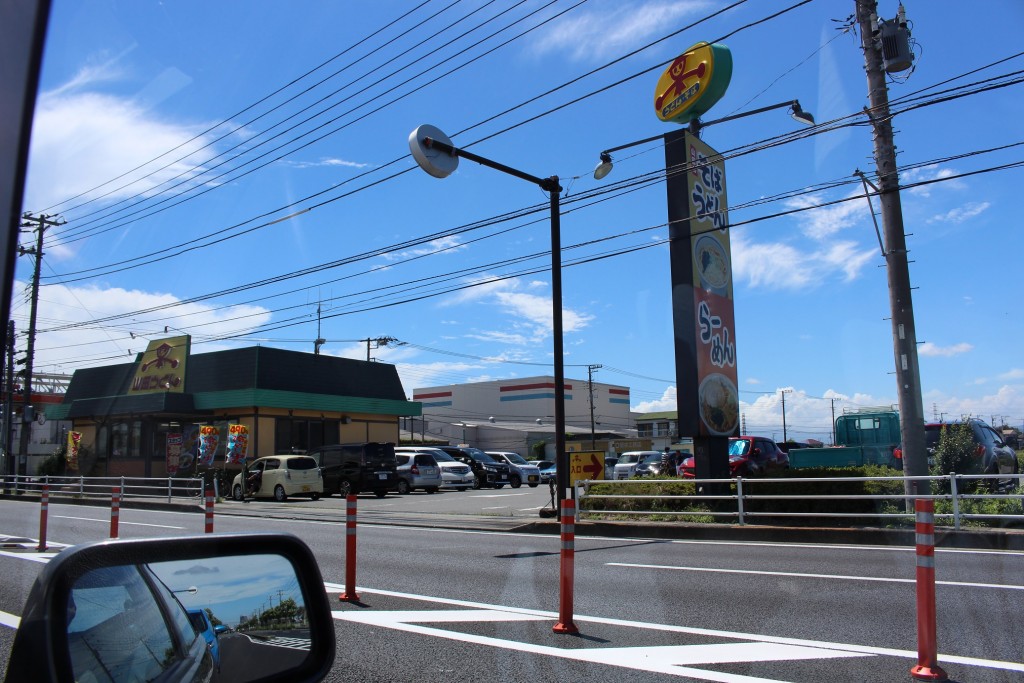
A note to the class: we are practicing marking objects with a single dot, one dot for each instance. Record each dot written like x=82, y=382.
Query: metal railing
x=169, y=488
x=741, y=493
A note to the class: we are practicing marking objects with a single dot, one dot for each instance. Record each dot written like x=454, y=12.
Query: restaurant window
x=103, y=442
x=304, y=435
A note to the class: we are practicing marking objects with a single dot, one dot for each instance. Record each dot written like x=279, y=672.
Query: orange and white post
x=927, y=668
x=567, y=571
x=350, y=551
x=115, y=510
x=209, y=511
x=44, y=505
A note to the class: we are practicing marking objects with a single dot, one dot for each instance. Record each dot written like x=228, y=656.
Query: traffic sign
x=586, y=465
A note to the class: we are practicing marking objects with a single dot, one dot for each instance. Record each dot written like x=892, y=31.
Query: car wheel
x=403, y=487
x=532, y=486
x=515, y=481
x=431, y=489
x=236, y=492
x=380, y=494
x=476, y=483
x=279, y=495
x=344, y=488
x=315, y=496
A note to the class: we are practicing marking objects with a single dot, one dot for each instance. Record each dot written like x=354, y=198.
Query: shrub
x=955, y=452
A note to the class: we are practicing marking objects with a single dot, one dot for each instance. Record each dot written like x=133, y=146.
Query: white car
x=524, y=472
x=625, y=466
x=454, y=474
x=280, y=476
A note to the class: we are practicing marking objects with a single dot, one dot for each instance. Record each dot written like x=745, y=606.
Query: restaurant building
x=156, y=416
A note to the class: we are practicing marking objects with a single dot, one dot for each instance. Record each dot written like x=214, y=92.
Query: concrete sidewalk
x=977, y=538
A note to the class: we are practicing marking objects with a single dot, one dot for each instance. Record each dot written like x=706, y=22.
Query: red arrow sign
x=595, y=468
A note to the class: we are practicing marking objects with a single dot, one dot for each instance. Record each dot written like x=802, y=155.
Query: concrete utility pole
x=5, y=438
x=784, y=435
x=590, y=389
x=42, y=222
x=833, y=400
x=904, y=335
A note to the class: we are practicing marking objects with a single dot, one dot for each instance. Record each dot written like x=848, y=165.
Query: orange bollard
x=567, y=572
x=209, y=511
x=350, y=551
x=44, y=504
x=115, y=510
x=927, y=668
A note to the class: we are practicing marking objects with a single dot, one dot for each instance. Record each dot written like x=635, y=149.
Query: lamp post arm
x=741, y=115
x=543, y=183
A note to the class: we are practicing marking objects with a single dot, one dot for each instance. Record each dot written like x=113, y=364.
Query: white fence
x=165, y=488
x=744, y=491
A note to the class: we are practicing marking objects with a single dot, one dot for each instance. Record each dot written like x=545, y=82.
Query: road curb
x=33, y=497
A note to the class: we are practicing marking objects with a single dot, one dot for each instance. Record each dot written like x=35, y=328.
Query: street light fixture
x=436, y=155
x=604, y=166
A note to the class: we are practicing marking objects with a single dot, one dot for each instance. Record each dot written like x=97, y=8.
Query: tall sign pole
x=904, y=335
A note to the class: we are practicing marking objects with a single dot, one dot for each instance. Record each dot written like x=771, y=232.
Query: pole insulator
x=350, y=551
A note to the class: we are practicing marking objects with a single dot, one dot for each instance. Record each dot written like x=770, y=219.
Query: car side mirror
x=123, y=607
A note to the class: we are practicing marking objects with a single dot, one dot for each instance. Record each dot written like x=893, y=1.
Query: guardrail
x=741, y=493
x=167, y=488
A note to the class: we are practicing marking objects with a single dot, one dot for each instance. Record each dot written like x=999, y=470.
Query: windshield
x=441, y=456
x=738, y=446
x=628, y=459
x=479, y=455
x=516, y=458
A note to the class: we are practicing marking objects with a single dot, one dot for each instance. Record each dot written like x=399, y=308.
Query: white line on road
x=32, y=557
x=498, y=495
x=122, y=522
x=844, y=647
x=11, y=620
x=884, y=579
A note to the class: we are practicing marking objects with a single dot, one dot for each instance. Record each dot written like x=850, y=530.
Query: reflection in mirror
x=241, y=618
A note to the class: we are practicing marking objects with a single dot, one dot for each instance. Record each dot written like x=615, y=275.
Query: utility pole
x=42, y=222
x=590, y=389
x=904, y=334
x=784, y=392
x=381, y=342
x=834, y=399
x=5, y=438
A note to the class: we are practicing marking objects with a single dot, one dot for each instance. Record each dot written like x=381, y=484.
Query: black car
x=358, y=468
x=488, y=472
x=992, y=455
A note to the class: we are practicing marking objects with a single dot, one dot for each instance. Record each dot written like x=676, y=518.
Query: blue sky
x=197, y=149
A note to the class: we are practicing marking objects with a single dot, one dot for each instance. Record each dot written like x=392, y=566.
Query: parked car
x=993, y=455
x=280, y=476
x=748, y=456
x=542, y=464
x=785, y=446
x=609, y=466
x=358, y=467
x=454, y=474
x=418, y=471
x=204, y=627
x=487, y=471
x=649, y=465
x=625, y=466
x=547, y=473
x=522, y=471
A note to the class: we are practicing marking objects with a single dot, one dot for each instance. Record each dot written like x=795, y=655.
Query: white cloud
x=821, y=223
x=936, y=351
x=783, y=266
x=449, y=244
x=658, y=405
x=933, y=172
x=325, y=161
x=612, y=28
x=753, y=380
x=1015, y=373
x=961, y=214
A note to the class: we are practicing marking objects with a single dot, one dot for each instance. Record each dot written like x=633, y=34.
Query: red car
x=748, y=456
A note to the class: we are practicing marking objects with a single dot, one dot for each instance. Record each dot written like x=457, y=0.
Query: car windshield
x=516, y=459
x=479, y=455
x=628, y=459
x=738, y=446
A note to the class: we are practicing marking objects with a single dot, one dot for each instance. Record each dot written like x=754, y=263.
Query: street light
x=436, y=155
x=604, y=166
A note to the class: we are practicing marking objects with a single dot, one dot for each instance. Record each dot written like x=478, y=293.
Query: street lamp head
x=604, y=167
x=800, y=115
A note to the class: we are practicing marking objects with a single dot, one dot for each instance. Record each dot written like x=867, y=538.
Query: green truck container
x=867, y=438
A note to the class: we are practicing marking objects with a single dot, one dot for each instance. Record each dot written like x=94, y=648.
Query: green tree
x=213, y=620
x=956, y=451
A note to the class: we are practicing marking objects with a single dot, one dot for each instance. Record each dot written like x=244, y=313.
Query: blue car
x=201, y=623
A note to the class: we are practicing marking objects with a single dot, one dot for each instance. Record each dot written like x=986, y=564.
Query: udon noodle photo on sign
x=719, y=404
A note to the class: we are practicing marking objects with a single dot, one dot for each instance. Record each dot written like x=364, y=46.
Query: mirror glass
x=241, y=618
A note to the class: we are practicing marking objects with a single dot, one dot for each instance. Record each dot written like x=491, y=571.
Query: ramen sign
x=693, y=83
x=715, y=344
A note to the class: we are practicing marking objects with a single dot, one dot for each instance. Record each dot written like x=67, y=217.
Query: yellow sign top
x=162, y=367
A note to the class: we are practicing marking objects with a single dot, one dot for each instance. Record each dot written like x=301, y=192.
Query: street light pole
x=427, y=138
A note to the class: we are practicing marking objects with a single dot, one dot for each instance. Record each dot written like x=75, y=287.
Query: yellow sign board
x=693, y=82
x=586, y=465
x=162, y=367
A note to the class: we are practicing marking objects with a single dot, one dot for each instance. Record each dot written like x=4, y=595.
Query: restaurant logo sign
x=693, y=83
x=162, y=367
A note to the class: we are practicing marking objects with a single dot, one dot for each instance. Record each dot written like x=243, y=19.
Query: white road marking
x=822, y=546
x=498, y=495
x=120, y=522
x=671, y=628
x=802, y=575
x=33, y=557
x=11, y=620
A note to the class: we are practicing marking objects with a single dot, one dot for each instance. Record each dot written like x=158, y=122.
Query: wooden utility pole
x=904, y=334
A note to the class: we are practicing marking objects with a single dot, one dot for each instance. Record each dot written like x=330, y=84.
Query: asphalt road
x=445, y=601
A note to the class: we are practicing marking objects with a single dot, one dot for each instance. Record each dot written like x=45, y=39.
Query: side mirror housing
x=149, y=583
